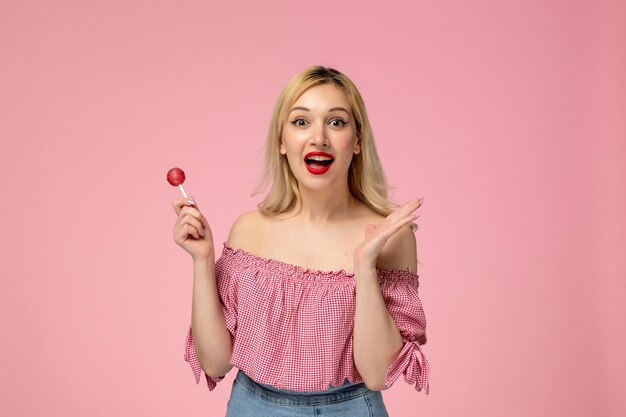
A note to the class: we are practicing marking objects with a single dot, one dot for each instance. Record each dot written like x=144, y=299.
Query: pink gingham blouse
x=292, y=327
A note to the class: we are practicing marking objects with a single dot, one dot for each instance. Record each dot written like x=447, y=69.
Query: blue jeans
x=249, y=398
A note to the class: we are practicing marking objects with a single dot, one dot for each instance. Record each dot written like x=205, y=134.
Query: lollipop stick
x=183, y=190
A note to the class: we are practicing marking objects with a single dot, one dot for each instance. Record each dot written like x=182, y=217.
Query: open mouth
x=318, y=162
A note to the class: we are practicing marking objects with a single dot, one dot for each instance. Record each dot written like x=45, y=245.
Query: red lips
x=318, y=153
x=318, y=170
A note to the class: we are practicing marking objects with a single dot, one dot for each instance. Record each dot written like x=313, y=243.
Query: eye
x=341, y=122
x=295, y=122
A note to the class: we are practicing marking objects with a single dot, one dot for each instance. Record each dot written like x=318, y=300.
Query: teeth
x=319, y=158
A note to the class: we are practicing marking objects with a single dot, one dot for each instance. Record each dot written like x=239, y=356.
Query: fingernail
x=190, y=201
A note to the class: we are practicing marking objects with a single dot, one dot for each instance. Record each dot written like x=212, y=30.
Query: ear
x=283, y=150
x=357, y=146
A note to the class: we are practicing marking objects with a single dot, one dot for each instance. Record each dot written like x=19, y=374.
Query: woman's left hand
x=376, y=235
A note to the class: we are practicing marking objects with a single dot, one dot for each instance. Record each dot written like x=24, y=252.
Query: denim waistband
x=289, y=397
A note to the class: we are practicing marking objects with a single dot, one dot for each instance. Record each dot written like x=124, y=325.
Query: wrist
x=361, y=265
x=204, y=260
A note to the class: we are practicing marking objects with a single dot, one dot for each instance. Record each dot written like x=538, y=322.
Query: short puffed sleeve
x=400, y=292
x=227, y=290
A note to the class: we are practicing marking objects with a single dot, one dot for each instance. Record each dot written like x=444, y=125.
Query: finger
x=404, y=222
x=205, y=222
x=393, y=225
x=179, y=203
x=409, y=207
x=406, y=208
x=193, y=222
x=189, y=210
x=190, y=230
x=183, y=233
x=412, y=205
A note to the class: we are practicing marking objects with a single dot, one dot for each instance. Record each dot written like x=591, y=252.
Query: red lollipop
x=176, y=177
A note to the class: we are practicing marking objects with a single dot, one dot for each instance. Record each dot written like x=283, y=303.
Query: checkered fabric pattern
x=292, y=327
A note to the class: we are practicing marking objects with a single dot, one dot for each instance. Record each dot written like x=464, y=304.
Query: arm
x=377, y=340
x=214, y=325
x=210, y=325
x=211, y=338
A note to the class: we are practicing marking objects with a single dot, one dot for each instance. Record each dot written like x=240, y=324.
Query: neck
x=325, y=206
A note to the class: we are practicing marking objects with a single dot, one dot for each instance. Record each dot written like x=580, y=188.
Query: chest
x=325, y=250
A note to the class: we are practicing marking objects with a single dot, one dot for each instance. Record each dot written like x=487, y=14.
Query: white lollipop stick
x=183, y=190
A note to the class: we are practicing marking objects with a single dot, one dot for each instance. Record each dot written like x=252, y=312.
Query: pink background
x=507, y=117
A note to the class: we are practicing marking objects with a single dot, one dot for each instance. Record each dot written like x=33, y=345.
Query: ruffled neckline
x=340, y=275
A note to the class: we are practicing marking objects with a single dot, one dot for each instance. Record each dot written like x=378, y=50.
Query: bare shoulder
x=247, y=230
x=400, y=251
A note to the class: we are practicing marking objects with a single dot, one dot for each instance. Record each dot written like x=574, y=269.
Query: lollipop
x=176, y=176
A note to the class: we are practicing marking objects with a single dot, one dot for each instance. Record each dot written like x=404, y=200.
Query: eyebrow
x=305, y=109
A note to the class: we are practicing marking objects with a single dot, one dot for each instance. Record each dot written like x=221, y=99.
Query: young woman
x=315, y=295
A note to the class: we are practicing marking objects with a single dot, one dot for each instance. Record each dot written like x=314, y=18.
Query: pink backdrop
x=507, y=117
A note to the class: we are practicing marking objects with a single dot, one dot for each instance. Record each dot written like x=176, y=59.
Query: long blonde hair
x=366, y=179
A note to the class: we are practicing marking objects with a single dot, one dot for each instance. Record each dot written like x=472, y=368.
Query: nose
x=318, y=136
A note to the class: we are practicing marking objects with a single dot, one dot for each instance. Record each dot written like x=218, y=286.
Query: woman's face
x=320, y=126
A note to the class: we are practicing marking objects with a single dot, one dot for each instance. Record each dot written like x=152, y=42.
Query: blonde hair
x=366, y=179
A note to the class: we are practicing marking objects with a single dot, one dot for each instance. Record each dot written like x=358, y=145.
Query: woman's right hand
x=191, y=230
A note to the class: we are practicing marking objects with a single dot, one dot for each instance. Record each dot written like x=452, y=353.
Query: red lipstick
x=320, y=166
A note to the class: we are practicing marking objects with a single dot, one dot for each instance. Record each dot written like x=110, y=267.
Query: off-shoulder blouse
x=292, y=327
